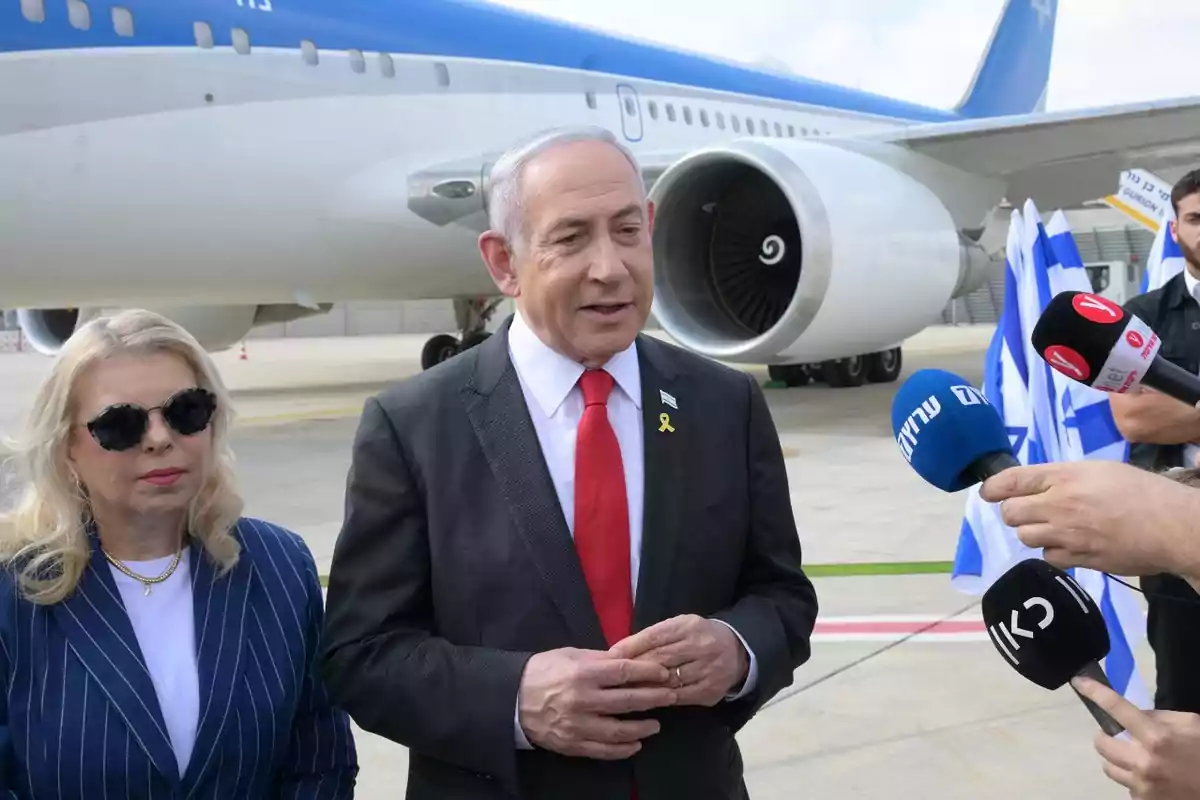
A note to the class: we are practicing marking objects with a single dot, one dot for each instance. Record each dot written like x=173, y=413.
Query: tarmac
x=882, y=709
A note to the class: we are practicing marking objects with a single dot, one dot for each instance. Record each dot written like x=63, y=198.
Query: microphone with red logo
x=1094, y=341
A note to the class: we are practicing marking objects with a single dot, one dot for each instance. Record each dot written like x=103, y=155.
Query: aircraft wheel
x=844, y=372
x=788, y=374
x=438, y=349
x=884, y=367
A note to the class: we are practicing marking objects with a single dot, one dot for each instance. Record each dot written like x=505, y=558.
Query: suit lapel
x=665, y=431
x=101, y=636
x=496, y=407
x=220, y=603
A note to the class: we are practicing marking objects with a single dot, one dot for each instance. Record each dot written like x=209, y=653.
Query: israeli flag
x=1049, y=418
x=987, y=547
x=1165, y=260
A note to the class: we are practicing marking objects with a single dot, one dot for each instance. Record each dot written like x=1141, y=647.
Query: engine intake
x=781, y=251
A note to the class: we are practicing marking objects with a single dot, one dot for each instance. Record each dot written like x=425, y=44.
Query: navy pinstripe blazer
x=81, y=719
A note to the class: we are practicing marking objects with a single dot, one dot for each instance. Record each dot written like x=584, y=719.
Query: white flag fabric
x=1049, y=418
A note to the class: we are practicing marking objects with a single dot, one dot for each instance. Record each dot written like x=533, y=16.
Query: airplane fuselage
x=269, y=173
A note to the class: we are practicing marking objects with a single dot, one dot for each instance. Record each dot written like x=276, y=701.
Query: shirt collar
x=1191, y=283
x=550, y=376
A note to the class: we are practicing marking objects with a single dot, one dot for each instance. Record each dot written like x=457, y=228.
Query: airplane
x=236, y=163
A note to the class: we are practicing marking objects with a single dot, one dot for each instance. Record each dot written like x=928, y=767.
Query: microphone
x=948, y=431
x=1094, y=341
x=1049, y=629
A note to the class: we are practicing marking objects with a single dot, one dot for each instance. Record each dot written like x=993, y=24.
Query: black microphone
x=1049, y=629
x=1094, y=341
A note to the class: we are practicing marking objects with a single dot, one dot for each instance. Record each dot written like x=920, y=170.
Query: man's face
x=1186, y=230
x=582, y=270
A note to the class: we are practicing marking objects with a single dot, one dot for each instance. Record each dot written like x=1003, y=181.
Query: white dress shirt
x=1191, y=451
x=549, y=381
x=164, y=623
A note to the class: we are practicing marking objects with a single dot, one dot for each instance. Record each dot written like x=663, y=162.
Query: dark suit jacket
x=81, y=718
x=455, y=564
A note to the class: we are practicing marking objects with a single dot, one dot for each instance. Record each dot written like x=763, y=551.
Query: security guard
x=1165, y=433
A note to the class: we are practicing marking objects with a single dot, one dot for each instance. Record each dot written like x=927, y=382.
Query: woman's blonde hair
x=44, y=539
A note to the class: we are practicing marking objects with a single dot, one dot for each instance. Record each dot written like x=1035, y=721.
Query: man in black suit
x=569, y=566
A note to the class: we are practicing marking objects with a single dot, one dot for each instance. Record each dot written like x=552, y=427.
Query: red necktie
x=602, y=510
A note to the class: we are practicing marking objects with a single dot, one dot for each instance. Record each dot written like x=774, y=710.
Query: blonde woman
x=153, y=641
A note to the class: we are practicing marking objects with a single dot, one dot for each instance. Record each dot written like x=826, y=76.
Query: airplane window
x=653, y=108
x=737, y=124
x=749, y=126
x=720, y=120
x=630, y=108
x=778, y=129
x=704, y=117
x=34, y=10
x=387, y=66
x=670, y=113
x=122, y=21
x=792, y=131
x=204, y=34
x=241, y=41
x=443, y=74
x=308, y=51
x=79, y=14
x=357, y=62
x=687, y=114
x=765, y=128
x=591, y=99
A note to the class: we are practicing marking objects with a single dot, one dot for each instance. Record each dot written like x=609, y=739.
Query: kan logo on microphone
x=1135, y=339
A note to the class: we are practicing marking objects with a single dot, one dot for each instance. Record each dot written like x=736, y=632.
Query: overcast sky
x=1106, y=51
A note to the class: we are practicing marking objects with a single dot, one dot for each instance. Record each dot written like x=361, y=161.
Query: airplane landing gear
x=472, y=316
x=882, y=367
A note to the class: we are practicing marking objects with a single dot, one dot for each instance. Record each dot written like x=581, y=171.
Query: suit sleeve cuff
x=751, y=674
x=518, y=732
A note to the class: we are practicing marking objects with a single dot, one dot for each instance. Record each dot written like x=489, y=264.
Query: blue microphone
x=948, y=431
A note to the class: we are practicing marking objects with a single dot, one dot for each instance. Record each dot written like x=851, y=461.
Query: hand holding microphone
x=1157, y=761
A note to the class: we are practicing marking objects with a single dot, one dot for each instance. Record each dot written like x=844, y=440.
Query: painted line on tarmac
x=894, y=627
x=865, y=568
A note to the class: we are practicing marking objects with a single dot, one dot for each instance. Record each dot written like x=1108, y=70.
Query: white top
x=164, y=623
x=550, y=383
x=1191, y=451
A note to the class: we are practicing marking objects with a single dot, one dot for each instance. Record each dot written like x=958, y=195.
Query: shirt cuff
x=519, y=733
x=751, y=674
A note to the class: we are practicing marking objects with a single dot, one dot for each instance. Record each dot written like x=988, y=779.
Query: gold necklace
x=148, y=583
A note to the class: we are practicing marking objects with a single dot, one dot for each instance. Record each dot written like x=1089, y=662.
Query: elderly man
x=569, y=566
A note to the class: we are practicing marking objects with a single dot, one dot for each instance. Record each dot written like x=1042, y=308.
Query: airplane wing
x=1064, y=157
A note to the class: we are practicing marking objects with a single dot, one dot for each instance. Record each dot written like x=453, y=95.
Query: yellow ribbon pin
x=665, y=419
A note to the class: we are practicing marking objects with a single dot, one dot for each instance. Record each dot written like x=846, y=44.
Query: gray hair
x=504, y=182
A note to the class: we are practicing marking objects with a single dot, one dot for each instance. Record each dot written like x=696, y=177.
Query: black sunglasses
x=122, y=426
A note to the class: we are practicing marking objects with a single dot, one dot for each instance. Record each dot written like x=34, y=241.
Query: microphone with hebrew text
x=1049, y=629
x=948, y=431
x=1094, y=341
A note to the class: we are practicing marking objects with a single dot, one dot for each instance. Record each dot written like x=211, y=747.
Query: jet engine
x=214, y=327
x=785, y=252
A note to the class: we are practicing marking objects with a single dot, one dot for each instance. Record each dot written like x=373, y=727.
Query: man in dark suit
x=569, y=566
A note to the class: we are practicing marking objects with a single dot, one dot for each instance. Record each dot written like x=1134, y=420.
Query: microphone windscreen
x=1043, y=623
x=943, y=425
x=1094, y=341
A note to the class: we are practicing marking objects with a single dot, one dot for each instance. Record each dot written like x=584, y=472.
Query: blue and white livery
x=233, y=163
